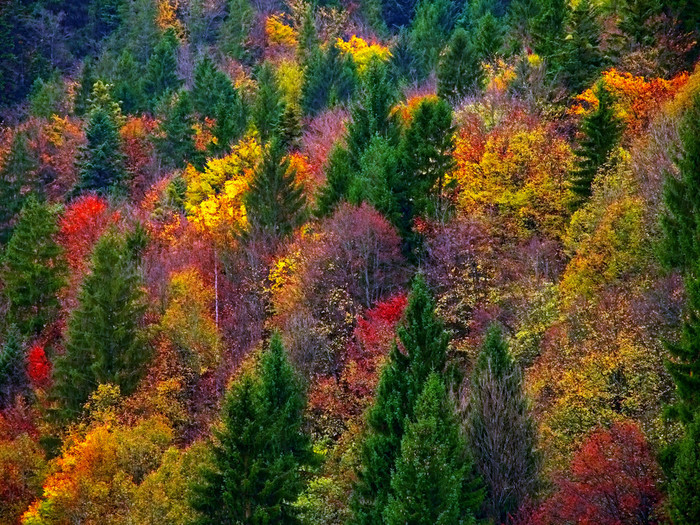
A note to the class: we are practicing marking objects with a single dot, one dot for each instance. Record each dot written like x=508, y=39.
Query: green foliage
x=236, y=28
x=337, y=184
x=432, y=481
x=87, y=81
x=289, y=127
x=330, y=78
x=487, y=39
x=104, y=341
x=583, y=57
x=601, y=132
x=176, y=145
x=127, y=86
x=211, y=88
x=549, y=31
x=398, y=13
x=432, y=24
x=260, y=450
x=684, y=490
x=48, y=97
x=502, y=433
x=635, y=20
x=231, y=116
x=12, y=374
x=161, y=80
x=15, y=174
x=274, y=203
x=269, y=103
x=33, y=269
x=459, y=72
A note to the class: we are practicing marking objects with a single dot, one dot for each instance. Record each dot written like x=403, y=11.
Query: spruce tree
x=684, y=489
x=502, y=434
x=127, y=86
x=460, y=72
x=269, y=104
x=330, y=77
x=260, y=449
x=403, y=64
x=308, y=36
x=12, y=374
x=16, y=173
x=433, y=481
x=289, y=128
x=275, y=204
x=583, y=57
x=601, y=132
x=211, y=87
x=337, y=183
x=635, y=19
x=87, y=81
x=424, y=342
x=176, y=145
x=104, y=340
x=33, y=269
x=236, y=28
x=487, y=38
x=161, y=79
x=230, y=121
x=431, y=27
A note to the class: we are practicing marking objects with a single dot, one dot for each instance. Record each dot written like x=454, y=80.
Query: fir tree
x=583, y=57
x=231, y=121
x=601, y=131
x=403, y=378
x=104, y=341
x=635, y=19
x=15, y=174
x=161, y=78
x=487, y=39
x=289, y=128
x=460, y=73
x=12, y=374
x=176, y=146
x=101, y=98
x=274, y=203
x=433, y=481
x=329, y=78
x=269, y=104
x=260, y=449
x=549, y=30
x=501, y=431
x=684, y=489
x=87, y=81
x=337, y=183
x=127, y=87
x=308, y=37
x=33, y=269
x=101, y=160
x=432, y=24
x=211, y=86
x=236, y=28
x=404, y=63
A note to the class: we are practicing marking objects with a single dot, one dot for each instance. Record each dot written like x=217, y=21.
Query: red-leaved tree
x=38, y=366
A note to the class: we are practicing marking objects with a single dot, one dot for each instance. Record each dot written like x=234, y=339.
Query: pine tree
x=549, y=32
x=487, y=39
x=275, y=204
x=33, y=269
x=460, y=72
x=176, y=146
x=104, y=342
x=433, y=481
x=404, y=63
x=431, y=26
x=289, y=128
x=12, y=374
x=15, y=174
x=684, y=489
x=161, y=78
x=260, y=449
x=330, y=77
x=87, y=81
x=501, y=431
x=681, y=250
x=601, y=131
x=337, y=183
x=583, y=57
x=308, y=37
x=101, y=98
x=403, y=378
x=269, y=104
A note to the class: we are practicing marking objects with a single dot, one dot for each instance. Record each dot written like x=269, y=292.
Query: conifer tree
x=275, y=204
x=460, y=72
x=403, y=378
x=487, y=39
x=104, y=341
x=87, y=81
x=635, y=18
x=684, y=489
x=501, y=431
x=269, y=104
x=161, y=78
x=681, y=250
x=289, y=128
x=308, y=36
x=16, y=173
x=583, y=57
x=431, y=26
x=211, y=86
x=176, y=146
x=236, y=28
x=127, y=86
x=329, y=78
x=260, y=449
x=33, y=269
x=404, y=63
x=433, y=481
x=231, y=121
x=337, y=183
x=549, y=30
x=12, y=374
x=398, y=13
x=601, y=131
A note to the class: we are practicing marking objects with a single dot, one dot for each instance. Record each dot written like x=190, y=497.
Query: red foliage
x=38, y=366
x=320, y=136
x=136, y=137
x=81, y=225
x=613, y=480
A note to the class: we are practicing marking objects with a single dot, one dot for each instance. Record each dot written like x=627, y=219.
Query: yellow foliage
x=278, y=33
x=405, y=110
x=362, y=52
x=282, y=270
x=500, y=75
x=167, y=15
x=290, y=78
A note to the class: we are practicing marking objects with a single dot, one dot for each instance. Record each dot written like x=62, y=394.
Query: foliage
x=363, y=53
x=683, y=492
x=459, y=73
x=12, y=375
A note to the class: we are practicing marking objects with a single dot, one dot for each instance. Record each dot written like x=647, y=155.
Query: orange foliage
x=278, y=33
x=406, y=109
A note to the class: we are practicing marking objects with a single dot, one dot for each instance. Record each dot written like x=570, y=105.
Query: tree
x=398, y=13
x=161, y=77
x=501, y=431
x=15, y=174
x=260, y=449
x=33, y=269
x=549, y=32
x=329, y=78
x=601, y=132
x=432, y=482
x=236, y=29
x=275, y=203
x=459, y=72
x=424, y=343
x=635, y=17
x=269, y=104
x=337, y=183
x=684, y=490
x=487, y=39
x=583, y=57
x=176, y=145
x=127, y=86
x=12, y=375
x=431, y=26
x=104, y=339
x=231, y=116
x=87, y=81
x=211, y=87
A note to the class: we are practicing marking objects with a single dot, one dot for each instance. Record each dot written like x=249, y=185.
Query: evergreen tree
x=460, y=73
x=236, y=28
x=487, y=39
x=15, y=174
x=176, y=146
x=127, y=86
x=583, y=57
x=274, y=203
x=104, y=16
x=308, y=37
x=330, y=77
x=684, y=490
x=231, y=121
x=161, y=78
x=601, y=131
x=104, y=341
x=289, y=128
x=433, y=481
x=260, y=449
x=403, y=63
x=549, y=30
x=501, y=431
x=635, y=20
x=403, y=378
x=211, y=86
x=101, y=98
x=87, y=81
x=12, y=374
x=398, y=13
x=681, y=250
x=337, y=183
x=269, y=104
x=33, y=269
x=432, y=24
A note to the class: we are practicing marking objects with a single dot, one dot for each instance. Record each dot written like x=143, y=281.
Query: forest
x=363, y=262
